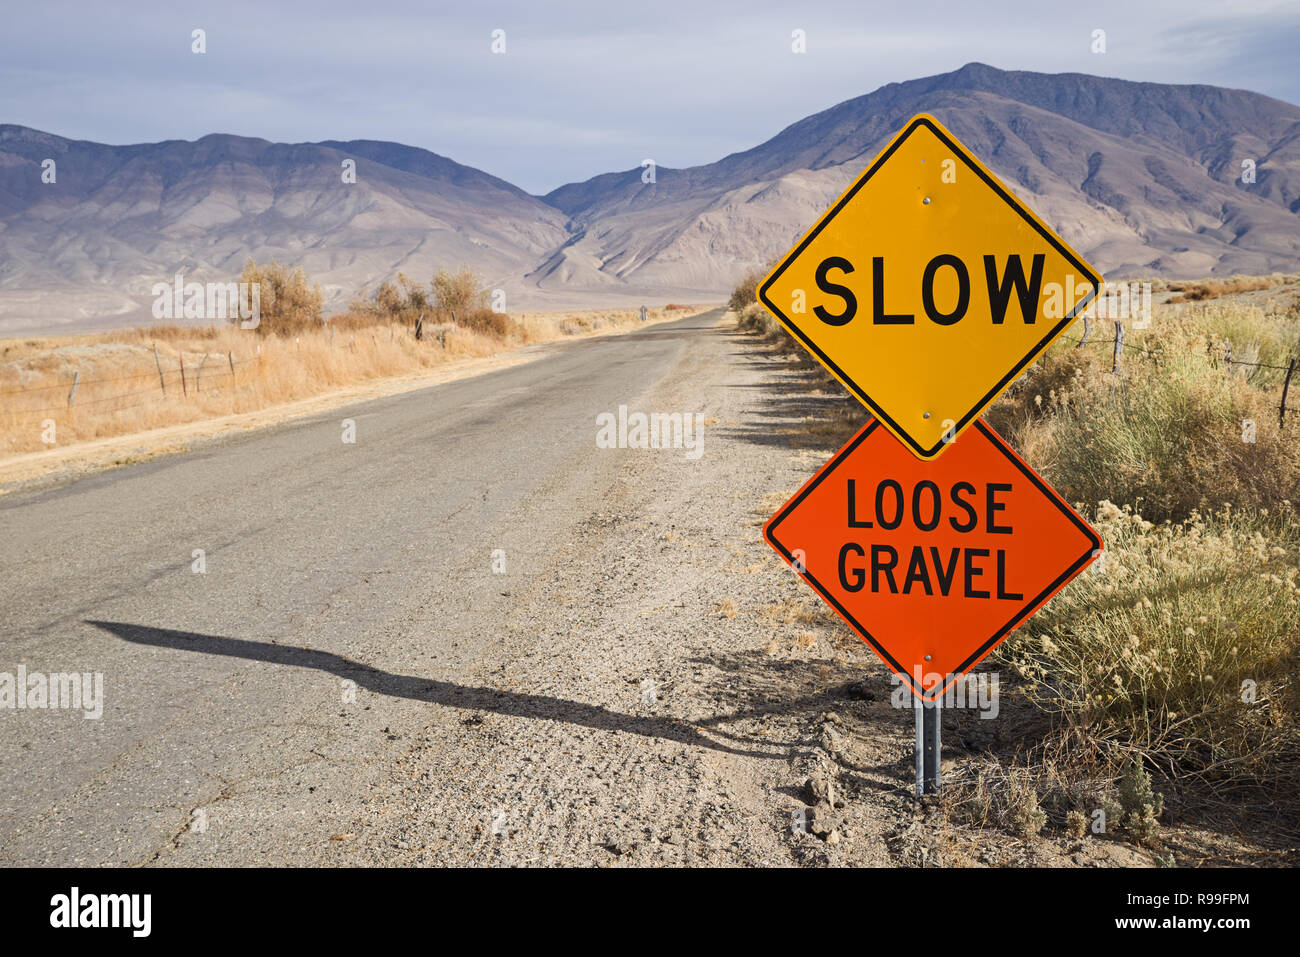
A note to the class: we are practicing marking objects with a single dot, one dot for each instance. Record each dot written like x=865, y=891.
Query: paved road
x=344, y=549
x=226, y=695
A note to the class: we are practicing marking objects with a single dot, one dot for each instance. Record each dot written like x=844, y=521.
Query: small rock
x=832, y=741
x=833, y=837
x=824, y=820
x=620, y=847
x=817, y=789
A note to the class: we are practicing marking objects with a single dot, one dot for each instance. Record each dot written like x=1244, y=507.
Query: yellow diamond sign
x=928, y=287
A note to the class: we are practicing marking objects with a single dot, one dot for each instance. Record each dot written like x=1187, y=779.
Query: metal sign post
x=928, y=748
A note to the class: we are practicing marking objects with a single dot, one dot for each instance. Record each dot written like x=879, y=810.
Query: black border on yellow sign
x=1094, y=545
x=975, y=166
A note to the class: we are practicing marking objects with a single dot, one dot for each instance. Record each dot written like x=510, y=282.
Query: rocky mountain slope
x=118, y=219
x=1143, y=178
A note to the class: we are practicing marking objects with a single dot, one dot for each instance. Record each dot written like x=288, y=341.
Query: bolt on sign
x=928, y=287
x=931, y=562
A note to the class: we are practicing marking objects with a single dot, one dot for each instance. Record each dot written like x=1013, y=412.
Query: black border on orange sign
x=971, y=162
x=1094, y=541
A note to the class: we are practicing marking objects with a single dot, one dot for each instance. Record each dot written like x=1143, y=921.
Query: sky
x=581, y=88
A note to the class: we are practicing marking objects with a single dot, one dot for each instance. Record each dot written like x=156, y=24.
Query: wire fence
x=180, y=377
x=1117, y=346
x=173, y=379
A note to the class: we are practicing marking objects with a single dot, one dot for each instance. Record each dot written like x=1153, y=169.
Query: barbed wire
x=65, y=406
x=121, y=378
x=1108, y=342
x=215, y=374
x=1257, y=365
x=1127, y=347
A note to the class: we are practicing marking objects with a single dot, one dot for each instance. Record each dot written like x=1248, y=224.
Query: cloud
x=584, y=87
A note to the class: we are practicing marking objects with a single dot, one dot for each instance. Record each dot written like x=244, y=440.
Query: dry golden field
x=124, y=387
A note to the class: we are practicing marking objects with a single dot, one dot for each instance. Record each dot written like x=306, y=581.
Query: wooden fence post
x=198, y=379
x=162, y=383
x=231, y=359
x=1119, y=346
x=1086, y=330
x=76, y=378
x=1286, y=388
x=185, y=389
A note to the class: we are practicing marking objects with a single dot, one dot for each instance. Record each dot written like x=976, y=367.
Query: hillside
x=1143, y=178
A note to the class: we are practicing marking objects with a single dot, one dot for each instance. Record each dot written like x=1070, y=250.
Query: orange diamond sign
x=932, y=563
x=928, y=287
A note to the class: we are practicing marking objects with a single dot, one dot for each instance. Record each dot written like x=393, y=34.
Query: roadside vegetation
x=745, y=294
x=1171, y=668
x=167, y=374
x=289, y=303
x=1214, y=288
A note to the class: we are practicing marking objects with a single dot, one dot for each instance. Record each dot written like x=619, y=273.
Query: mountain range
x=1145, y=179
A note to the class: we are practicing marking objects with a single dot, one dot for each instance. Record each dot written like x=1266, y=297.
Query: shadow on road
x=415, y=688
x=796, y=404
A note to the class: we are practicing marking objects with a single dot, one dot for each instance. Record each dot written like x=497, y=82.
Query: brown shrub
x=746, y=291
x=1214, y=288
x=458, y=293
x=288, y=304
x=497, y=325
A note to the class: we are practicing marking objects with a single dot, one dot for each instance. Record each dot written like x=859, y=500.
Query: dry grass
x=1214, y=288
x=119, y=392
x=1180, y=648
x=1180, y=428
x=792, y=612
x=753, y=317
x=1183, y=647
